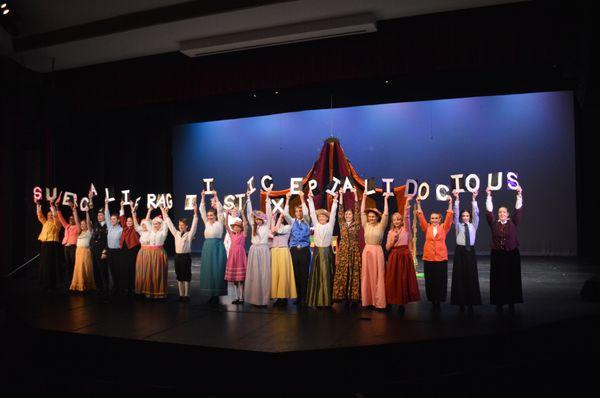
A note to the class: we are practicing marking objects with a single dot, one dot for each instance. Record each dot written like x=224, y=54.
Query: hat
x=374, y=210
x=322, y=212
x=239, y=223
x=259, y=214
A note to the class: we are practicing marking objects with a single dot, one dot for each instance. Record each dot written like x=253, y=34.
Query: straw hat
x=322, y=212
x=260, y=214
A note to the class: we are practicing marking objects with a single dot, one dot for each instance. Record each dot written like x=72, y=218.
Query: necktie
x=467, y=237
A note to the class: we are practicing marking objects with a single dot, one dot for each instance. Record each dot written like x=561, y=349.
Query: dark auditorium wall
x=114, y=119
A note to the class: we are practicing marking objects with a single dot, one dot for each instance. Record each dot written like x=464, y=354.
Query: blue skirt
x=212, y=268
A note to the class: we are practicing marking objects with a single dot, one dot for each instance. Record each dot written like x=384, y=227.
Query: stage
x=170, y=345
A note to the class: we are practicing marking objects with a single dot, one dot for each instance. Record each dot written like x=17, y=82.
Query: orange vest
x=435, y=246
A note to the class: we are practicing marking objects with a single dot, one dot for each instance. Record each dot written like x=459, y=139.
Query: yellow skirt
x=283, y=284
x=83, y=271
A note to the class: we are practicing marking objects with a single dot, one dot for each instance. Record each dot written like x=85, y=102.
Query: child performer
x=235, y=270
x=83, y=270
x=214, y=257
x=183, y=248
x=435, y=254
x=49, y=247
x=283, y=284
x=299, y=245
x=373, y=260
x=505, y=260
x=348, y=265
x=465, y=279
x=321, y=269
x=401, y=286
x=258, y=274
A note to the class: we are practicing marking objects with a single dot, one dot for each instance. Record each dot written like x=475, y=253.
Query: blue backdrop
x=531, y=134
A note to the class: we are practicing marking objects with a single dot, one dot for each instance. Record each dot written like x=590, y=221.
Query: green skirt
x=320, y=278
x=212, y=268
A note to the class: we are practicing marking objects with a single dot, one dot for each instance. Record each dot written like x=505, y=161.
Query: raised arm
x=304, y=208
x=334, y=207
x=422, y=221
x=456, y=211
x=203, y=208
x=363, y=215
x=244, y=224
x=407, y=224
x=220, y=213
x=449, y=219
x=87, y=219
x=40, y=215
x=61, y=219
x=340, y=211
x=268, y=209
x=311, y=209
x=167, y=221
x=386, y=212
x=489, y=207
x=286, y=209
x=275, y=226
x=249, y=210
x=75, y=215
x=518, y=206
x=475, y=210
x=227, y=227
x=194, y=226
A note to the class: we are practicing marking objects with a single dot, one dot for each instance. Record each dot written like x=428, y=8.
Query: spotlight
x=3, y=5
x=387, y=82
x=254, y=95
x=276, y=92
x=6, y=11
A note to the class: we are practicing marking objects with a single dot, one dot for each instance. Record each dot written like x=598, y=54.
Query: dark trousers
x=69, y=264
x=301, y=262
x=100, y=270
x=49, y=264
x=183, y=267
x=127, y=267
x=436, y=280
x=113, y=265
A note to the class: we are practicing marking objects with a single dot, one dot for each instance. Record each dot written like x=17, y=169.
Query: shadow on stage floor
x=75, y=344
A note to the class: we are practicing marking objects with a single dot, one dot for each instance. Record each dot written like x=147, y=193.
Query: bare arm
x=363, y=216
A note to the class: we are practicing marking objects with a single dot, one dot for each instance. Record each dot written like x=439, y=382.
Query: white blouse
x=183, y=242
x=261, y=237
x=323, y=232
x=215, y=229
x=157, y=238
x=83, y=240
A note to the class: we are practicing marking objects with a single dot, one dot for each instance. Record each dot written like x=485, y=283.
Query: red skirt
x=401, y=284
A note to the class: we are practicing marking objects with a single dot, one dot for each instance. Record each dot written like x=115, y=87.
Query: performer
x=299, y=245
x=130, y=245
x=283, y=284
x=143, y=264
x=69, y=242
x=213, y=259
x=49, y=247
x=113, y=243
x=505, y=259
x=183, y=248
x=401, y=286
x=435, y=254
x=234, y=217
x=319, y=287
x=83, y=270
x=98, y=246
x=153, y=259
x=465, y=279
x=258, y=274
x=348, y=265
x=235, y=270
x=373, y=260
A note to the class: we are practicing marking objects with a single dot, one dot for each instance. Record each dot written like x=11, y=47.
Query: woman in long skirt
x=49, y=247
x=283, y=283
x=505, y=260
x=258, y=275
x=214, y=257
x=153, y=259
x=435, y=254
x=348, y=262
x=237, y=261
x=465, y=278
x=142, y=258
x=320, y=278
x=401, y=286
x=373, y=260
x=83, y=270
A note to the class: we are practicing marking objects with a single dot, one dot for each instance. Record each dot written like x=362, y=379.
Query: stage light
x=387, y=82
x=3, y=5
x=254, y=95
x=6, y=11
x=276, y=92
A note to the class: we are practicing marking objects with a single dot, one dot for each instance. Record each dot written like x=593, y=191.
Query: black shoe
x=235, y=302
x=284, y=302
x=401, y=310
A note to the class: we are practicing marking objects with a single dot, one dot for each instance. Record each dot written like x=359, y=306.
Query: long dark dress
x=348, y=266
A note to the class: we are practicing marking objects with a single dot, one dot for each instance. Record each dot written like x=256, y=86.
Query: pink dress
x=235, y=270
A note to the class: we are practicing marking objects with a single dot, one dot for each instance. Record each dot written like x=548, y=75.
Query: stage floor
x=551, y=293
